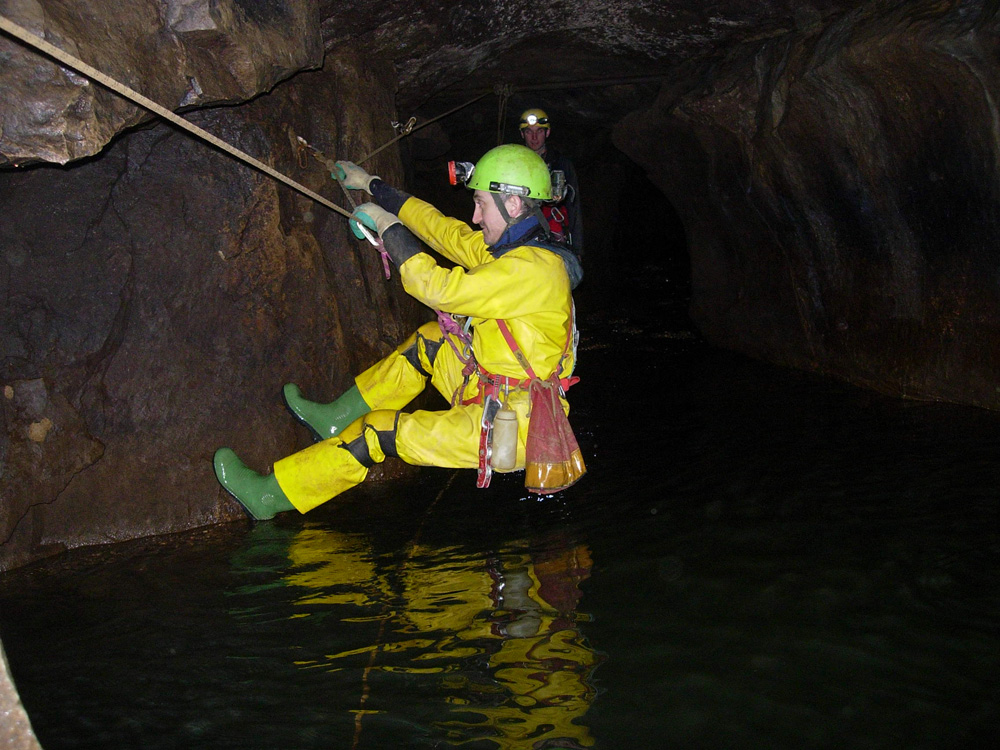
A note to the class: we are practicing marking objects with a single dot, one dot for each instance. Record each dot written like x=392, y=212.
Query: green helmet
x=512, y=169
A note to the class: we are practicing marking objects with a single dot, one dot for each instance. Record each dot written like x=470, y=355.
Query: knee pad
x=373, y=437
x=422, y=353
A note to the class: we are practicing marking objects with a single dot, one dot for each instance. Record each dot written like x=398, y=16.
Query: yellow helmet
x=534, y=117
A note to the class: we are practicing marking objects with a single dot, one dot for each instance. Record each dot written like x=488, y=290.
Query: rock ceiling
x=593, y=59
x=443, y=51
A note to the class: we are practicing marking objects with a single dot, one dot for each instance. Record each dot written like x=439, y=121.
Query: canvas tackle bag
x=553, y=460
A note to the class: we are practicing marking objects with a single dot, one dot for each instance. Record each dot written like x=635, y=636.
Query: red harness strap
x=489, y=383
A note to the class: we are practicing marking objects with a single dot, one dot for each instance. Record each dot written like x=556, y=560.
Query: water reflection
x=491, y=641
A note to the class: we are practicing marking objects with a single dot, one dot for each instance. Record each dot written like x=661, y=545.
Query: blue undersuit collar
x=517, y=232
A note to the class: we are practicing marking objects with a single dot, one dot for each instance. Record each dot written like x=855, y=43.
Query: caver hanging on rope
x=506, y=282
x=502, y=172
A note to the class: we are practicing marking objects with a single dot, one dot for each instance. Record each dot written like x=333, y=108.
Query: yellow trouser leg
x=450, y=439
x=322, y=471
x=319, y=473
x=396, y=380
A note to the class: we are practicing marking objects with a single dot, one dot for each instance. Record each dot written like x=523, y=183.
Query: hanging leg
x=388, y=384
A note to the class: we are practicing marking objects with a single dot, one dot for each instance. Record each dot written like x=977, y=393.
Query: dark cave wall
x=156, y=298
x=839, y=193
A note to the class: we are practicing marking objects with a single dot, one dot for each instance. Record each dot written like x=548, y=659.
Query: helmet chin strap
x=543, y=222
x=500, y=199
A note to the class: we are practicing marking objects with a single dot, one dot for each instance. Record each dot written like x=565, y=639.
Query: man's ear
x=514, y=206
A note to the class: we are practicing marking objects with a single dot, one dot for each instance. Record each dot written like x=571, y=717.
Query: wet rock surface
x=158, y=296
x=15, y=729
x=179, y=53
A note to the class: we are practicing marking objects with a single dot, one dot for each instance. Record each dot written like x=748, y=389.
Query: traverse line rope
x=90, y=72
x=32, y=40
x=412, y=128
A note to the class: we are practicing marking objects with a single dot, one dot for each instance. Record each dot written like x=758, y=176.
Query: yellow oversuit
x=526, y=286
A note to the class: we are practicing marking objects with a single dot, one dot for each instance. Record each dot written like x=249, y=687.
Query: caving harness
x=493, y=390
x=491, y=386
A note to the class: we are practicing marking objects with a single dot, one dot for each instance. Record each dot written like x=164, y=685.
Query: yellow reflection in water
x=498, y=634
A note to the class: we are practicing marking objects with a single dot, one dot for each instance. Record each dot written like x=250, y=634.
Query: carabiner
x=366, y=232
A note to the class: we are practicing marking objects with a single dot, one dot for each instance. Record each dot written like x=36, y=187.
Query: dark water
x=758, y=558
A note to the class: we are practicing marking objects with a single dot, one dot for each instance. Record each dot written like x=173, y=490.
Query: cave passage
x=757, y=557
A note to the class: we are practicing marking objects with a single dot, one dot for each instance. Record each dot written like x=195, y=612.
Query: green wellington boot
x=325, y=420
x=261, y=496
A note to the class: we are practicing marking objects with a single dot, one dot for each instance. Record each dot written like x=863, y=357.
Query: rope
x=412, y=127
x=66, y=59
x=503, y=92
x=303, y=145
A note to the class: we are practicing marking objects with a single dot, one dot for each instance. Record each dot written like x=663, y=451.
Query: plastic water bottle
x=504, y=440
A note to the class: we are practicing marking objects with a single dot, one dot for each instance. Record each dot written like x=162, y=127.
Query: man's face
x=488, y=216
x=534, y=137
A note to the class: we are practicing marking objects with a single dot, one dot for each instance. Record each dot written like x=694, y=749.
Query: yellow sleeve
x=453, y=238
x=521, y=282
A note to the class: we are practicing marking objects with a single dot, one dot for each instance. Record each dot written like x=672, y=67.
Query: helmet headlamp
x=460, y=171
x=534, y=118
x=504, y=187
x=510, y=169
